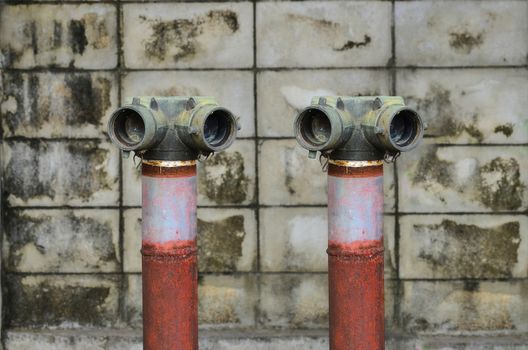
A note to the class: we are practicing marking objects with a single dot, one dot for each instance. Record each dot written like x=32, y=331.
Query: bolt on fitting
x=358, y=128
x=172, y=128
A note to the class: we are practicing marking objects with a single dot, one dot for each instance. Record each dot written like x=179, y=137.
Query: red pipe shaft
x=355, y=255
x=170, y=276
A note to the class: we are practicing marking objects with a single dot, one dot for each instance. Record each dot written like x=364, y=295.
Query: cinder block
x=288, y=177
x=282, y=94
x=65, y=301
x=469, y=105
x=323, y=34
x=232, y=89
x=295, y=240
x=463, y=179
x=52, y=173
x=464, y=307
x=227, y=240
x=226, y=178
x=198, y=35
x=463, y=246
x=57, y=104
x=79, y=36
x=224, y=301
x=61, y=240
x=294, y=300
x=440, y=33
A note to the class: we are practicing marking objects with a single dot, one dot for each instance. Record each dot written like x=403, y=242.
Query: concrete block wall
x=456, y=230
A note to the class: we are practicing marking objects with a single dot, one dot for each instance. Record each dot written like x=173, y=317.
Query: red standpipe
x=170, y=274
x=355, y=255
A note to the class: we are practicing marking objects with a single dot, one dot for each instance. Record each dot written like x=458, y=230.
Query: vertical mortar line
x=257, y=195
x=397, y=290
x=124, y=281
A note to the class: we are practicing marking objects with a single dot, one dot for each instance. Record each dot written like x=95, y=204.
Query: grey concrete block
x=294, y=300
x=199, y=35
x=232, y=89
x=57, y=104
x=464, y=307
x=49, y=173
x=440, y=33
x=463, y=179
x=281, y=94
x=469, y=105
x=80, y=36
x=61, y=241
x=323, y=34
x=463, y=246
x=63, y=301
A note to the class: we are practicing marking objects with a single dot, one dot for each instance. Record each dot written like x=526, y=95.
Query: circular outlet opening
x=404, y=127
x=218, y=128
x=315, y=127
x=129, y=127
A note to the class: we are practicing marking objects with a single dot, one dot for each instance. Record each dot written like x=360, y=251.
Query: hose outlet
x=320, y=128
x=211, y=128
x=136, y=127
x=399, y=128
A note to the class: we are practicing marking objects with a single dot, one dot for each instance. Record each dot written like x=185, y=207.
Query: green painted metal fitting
x=172, y=128
x=358, y=128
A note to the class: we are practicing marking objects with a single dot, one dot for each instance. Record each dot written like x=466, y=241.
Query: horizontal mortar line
x=478, y=144
x=513, y=213
x=56, y=207
x=465, y=279
x=248, y=69
x=271, y=273
x=56, y=139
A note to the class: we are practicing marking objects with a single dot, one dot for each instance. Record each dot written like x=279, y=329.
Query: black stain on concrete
x=85, y=99
x=454, y=249
x=500, y=186
x=506, y=129
x=465, y=41
x=77, y=36
x=441, y=112
x=57, y=34
x=183, y=33
x=51, y=301
x=354, y=44
x=223, y=179
x=88, y=101
x=220, y=244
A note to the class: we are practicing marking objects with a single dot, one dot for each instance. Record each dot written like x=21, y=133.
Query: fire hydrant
x=355, y=135
x=169, y=134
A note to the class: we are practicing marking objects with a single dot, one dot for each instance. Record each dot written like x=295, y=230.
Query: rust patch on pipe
x=347, y=171
x=355, y=275
x=170, y=297
x=163, y=171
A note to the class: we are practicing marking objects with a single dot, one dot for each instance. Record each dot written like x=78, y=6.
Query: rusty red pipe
x=170, y=272
x=355, y=255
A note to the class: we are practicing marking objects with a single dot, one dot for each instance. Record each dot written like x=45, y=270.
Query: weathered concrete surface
x=243, y=340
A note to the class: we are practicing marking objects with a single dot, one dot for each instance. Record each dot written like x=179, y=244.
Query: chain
x=323, y=160
x=138, y=154
x=391, y=157
x=202, y=157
